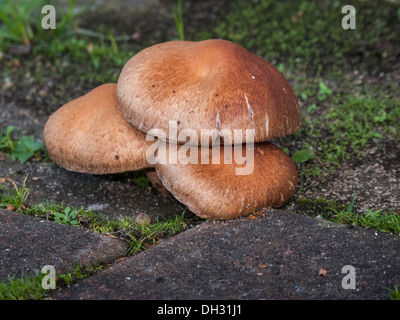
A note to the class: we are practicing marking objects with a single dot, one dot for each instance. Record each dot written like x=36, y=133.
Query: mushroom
x=212, y=84
x=215, y=86
x=215, y=191
x=90, y=135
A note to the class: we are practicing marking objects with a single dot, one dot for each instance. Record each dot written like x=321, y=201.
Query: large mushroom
x=219, y=86
x=215, y=190
x=90, y=135
x=211, y=84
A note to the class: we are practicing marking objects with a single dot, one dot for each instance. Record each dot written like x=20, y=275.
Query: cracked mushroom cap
x=217, y=192
x=90, y=135
x=212, y=84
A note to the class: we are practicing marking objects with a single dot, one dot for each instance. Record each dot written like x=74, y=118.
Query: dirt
x=373, y=179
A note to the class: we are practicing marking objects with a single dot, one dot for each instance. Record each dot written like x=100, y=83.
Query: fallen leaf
x=322, y=272
x=10, y=208
x=262, y=266
x=35, y=178
x=111, y=236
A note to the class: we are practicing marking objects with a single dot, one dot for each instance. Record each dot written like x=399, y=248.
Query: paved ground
x=279, y=255
x=28, y=243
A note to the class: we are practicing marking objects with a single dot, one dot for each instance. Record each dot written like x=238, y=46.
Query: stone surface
x=278, y=256
x=115, y=195
x=28, y=243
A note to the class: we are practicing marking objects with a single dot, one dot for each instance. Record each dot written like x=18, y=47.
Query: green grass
x=360, y=120
x=307, y=35
x=30, y=287
x=102, y=57
x=394, y=294
x=346, y=214
x=179, y=20
x=19, y=19
x=77, y=274
x=384, y=222
x=22, y=288
x=16, y=198
x=138, y=236
x=21, y=22
x=140, y=179
x=68, y=45
x=348, y=125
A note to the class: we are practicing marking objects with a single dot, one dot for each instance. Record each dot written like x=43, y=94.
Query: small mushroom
x=217, y=192
x=90, y=135
x=155, y=181
x=211, y=84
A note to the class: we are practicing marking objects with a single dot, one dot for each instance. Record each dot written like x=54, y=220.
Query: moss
x=307, y=35
x=20, y=287
x=319, y=207
x=343, y=213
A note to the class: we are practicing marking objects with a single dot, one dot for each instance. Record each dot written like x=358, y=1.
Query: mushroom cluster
x=196, y=98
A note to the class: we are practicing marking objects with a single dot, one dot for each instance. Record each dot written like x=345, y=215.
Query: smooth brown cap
x=89, y=134
x=217, y=192
x=211, y=84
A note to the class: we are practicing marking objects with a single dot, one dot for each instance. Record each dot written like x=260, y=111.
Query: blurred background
x=93, y=39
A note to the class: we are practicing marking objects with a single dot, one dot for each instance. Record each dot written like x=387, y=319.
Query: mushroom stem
x=156, y=182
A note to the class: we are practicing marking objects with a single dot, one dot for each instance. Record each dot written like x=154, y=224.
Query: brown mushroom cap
x=215, y=191
x=90, y=134
x=211, y=84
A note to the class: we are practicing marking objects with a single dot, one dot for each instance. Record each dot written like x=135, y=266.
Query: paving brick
x=278, y=256
x=28, y=243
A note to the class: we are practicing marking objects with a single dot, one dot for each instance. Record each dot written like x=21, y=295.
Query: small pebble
x=143, y=219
